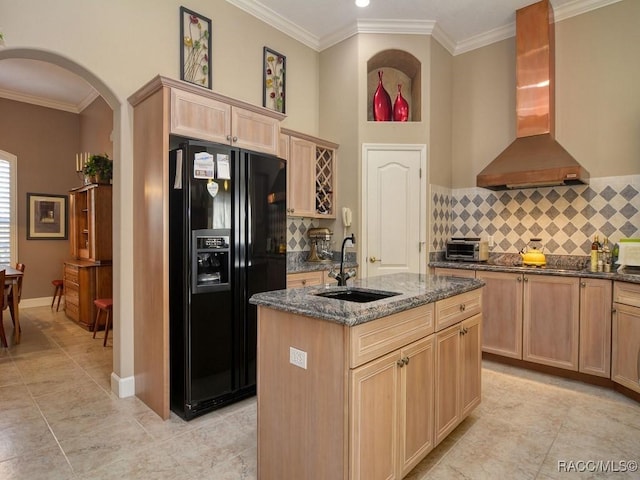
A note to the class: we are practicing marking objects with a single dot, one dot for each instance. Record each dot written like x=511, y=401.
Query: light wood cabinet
x=625, y=362
x=502, y=314
x=391, y=412
x=202, y=117
x=90, y=222
x=311, y=175
x=551, y=320
x=595, y=327
x=84, y=281
x=458, y=374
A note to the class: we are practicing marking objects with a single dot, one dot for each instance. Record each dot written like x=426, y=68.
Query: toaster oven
x=467, y=250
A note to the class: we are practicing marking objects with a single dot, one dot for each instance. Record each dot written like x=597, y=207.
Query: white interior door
x=394, y=204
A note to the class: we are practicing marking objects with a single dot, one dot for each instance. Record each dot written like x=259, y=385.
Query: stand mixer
x=320, y=239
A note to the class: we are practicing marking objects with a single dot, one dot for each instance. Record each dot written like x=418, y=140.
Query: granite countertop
x=414, y=289
x=571, y=270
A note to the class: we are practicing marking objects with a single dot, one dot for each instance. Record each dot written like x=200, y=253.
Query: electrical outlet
x=490, y=241
x=298, y=357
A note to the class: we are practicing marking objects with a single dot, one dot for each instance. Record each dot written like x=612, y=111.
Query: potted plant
x=98, y=169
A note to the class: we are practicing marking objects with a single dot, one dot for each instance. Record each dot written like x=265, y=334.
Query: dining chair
x=21, y=267
x=3, y=302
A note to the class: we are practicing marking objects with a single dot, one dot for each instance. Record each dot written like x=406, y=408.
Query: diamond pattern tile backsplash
x=297, y=240
x=566, y=218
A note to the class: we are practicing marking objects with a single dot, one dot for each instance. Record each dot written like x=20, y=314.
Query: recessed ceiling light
x=362, y=3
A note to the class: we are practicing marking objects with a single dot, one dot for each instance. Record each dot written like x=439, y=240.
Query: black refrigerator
x=227, y=234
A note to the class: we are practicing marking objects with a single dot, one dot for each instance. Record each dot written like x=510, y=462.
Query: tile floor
x=58, y=420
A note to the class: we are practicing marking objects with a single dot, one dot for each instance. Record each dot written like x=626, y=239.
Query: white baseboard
x=123, y=387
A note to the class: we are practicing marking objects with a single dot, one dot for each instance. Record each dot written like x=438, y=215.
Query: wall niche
x=398, y=67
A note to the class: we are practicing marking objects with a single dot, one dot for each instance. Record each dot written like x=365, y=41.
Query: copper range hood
x=535, y=158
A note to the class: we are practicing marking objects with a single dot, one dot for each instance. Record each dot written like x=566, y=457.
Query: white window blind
x=5, y=212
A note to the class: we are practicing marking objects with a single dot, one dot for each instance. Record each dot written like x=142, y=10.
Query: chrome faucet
x=343, y=276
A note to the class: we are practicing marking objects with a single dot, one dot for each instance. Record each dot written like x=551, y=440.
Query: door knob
x=374, y=259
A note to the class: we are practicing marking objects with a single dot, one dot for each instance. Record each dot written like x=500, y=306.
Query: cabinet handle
x=526, y=279
x=583, y=284
x=519, y=279
x=235, y=139
x=228, y=138
x=613, y=310
x=462, y=307
x=402, y=362
x=304, y=282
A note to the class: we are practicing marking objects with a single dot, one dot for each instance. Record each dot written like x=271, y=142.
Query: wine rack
x=324, y=180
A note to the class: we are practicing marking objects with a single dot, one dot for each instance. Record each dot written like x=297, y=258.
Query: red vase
x=381, y=102
x=400, y=107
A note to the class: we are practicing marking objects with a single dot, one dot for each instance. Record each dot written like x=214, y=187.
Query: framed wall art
x=46, y=216
x=273, y=82
x=195, y=48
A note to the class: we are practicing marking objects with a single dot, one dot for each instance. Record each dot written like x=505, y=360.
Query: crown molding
x=40, y=101
x=278, y=22
x=408, y=27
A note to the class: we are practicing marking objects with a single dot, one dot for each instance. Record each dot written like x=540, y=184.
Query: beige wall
x=440, y=116
x=96, y=127
x=597, y=96
x=43, y=140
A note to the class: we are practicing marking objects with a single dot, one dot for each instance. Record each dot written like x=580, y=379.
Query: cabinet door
x=595, y=327
x=301, y=178
x=471, y=364
x=551, y=320
x=447, y=385
x=625, y=367
x=416, y=402
x=198, y=117
x=254, y=131
x=373, y=419
x=283, y=146
x=502, y=313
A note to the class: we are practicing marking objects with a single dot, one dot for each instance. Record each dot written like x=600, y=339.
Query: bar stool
x=103, y=305
x=59, y=284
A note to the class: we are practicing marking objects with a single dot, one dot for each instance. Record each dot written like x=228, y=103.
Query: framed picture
x=273, y=82
x=46, y=216
x=195, y=48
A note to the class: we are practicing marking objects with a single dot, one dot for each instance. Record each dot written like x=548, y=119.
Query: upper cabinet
x=311, y=175
x=90, y=225
x=204, y=118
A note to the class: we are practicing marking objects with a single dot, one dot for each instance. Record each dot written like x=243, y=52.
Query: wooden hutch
x=88, y=274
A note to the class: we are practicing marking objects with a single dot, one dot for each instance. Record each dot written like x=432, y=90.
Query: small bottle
x=594, y=254
x=606, y=255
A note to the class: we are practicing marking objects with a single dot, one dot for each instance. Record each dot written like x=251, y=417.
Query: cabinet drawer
x=626, y=293
x=71, y=274
x=455, y=309
x=304, y=279
x=379, y=337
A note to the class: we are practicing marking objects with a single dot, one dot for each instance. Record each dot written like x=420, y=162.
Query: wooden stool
x=59, y=284
x=103, y=304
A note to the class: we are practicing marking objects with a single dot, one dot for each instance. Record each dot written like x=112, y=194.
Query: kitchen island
x=350, y=390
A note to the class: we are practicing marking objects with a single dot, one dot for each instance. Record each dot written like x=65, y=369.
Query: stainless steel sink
x=357, y=295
